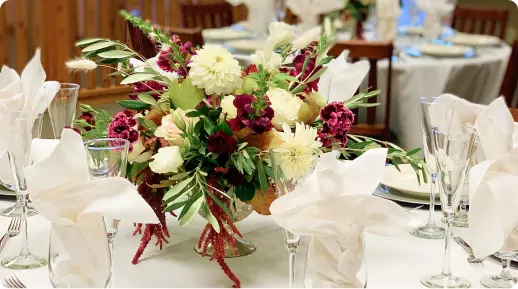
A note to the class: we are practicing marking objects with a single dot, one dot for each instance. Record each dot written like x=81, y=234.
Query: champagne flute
x=453, y=150
x=23, y=130
x=290, y=167
x=430, y=230
x=108, y=157
x=505, y=279
x=62, y=109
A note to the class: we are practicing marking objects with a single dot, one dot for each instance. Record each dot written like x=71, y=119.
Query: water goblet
x=291, y=166
x=23, y=129
x=430, y=230
x=108, y=157
x=453, y=150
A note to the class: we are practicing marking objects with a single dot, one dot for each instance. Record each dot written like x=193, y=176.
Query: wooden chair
x=193, y=35
x=206, y=15
x=373, y=51
x=510, y=82
x=481, y=20
x=140, y=42
x=514, y=112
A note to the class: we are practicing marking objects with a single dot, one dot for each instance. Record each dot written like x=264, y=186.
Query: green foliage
x=185, y=95
x=134, y=104
x=102, y=121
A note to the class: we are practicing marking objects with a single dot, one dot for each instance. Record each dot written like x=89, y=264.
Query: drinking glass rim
x=314, y=151
x=470, y=130
x=426, y=100
x=126, y=143
x=69, y=86
x=40, y=115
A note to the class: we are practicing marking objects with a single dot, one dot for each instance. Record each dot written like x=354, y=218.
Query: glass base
x=496, y=281
x=243, y=248
x=428, y=232
x=458, y=220
x=445, y=281
x=15, y=211
x=23, y=262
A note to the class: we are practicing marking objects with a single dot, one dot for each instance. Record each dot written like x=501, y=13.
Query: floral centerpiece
x=200, y=125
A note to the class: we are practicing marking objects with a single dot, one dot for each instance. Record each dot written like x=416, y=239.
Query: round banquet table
x=391, y=262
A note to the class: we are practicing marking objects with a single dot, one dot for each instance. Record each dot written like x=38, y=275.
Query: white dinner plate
x=405, y=181
x=225, y=33
x=394, y=195
x=474, y=40
x=439, y=50
x=419, y=30
x=246, y=45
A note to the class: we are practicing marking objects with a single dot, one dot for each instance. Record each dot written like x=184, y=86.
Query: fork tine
x=18, y=223
x=12, y=223
x=9, y=282
x=14, y=281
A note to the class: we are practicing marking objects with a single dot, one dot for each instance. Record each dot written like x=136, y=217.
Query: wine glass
x=453, y=150
x=290, y=167
x=430, y=230
x=23, y=130
x=108, y=157
x=67, y=268
x=62, y=109
x=505, y=279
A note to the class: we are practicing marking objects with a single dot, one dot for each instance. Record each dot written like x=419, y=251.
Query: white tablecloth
x=391, y=262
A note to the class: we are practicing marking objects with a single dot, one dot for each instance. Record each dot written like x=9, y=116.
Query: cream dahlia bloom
x=167, y=160
x=227, y=106
x=298, y=153
x=215, y=70
x=285, y=105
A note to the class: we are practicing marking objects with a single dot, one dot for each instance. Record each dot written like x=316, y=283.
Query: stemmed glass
x=22, y=131
x=505, y=279
x=430, y=230
x=108, y=157
x=453, y=150
x=290, y=167
x=62, y=109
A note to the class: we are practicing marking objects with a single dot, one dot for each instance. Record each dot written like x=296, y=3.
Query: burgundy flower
x=74, y=129
x=252, y=68
x=235, y=178
x=147, y=86
x=222, y=143
x=299, y=64
x=123, y=126
x=259, y=120
x=88, y=117
x=337, y=121
x=164, y=60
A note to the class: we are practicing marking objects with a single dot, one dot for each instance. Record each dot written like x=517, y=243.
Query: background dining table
x=397, y=262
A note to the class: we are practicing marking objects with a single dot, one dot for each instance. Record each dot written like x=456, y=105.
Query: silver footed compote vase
x=291, y=166
x=23, y=130
x=453, y=150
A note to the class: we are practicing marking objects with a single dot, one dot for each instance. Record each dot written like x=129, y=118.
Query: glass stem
x=292, y=268
x=112, y=278
x=506, y=273
x=431, y=222
x=447, y=244
x=25, y=241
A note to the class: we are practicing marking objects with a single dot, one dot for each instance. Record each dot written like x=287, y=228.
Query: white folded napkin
x=63, y=192
x=335, y=206
x=341, y=79
x=29, y=94
x=493, y=217
x=388, y=12
x=309, y=11
x=454, y=112
x=260, y=13
x=435, y=10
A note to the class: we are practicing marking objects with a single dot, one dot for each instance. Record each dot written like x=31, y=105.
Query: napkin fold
x=309, y=11
x=388, y=12
x=341, y=79
x=29, y=94
x=335, y=206
x=493, y=220
x=435, y=10
x=454, y=112
x=63, y=192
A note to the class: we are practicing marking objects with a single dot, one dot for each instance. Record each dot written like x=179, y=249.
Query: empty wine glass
x=290, y=167
x=505, y=279
x=430, y=230
x=108, y=157
x=453, y=150
x=62, y=109
x=23, y=130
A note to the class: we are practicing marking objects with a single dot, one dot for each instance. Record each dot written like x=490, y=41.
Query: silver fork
x=12, y=281
x=13, y=230
x=471, y=258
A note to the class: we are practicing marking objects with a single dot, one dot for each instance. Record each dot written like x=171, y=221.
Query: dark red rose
x=220, y=170
x=235, y=178
x=221, y=143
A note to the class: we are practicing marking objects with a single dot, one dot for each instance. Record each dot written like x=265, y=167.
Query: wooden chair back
x=510, y=82
x=373, y=52
x=140, y=42
x=206, y=15
x=481, y=20
x=192, y=35
x=514, y=112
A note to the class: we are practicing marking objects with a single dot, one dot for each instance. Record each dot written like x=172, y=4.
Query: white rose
x=227, y=106
x=285, y=105
x=169, y=131
x=137, y=154
x=306, y=38
x=167, y=160
x=280, y=34
x=268, y=59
